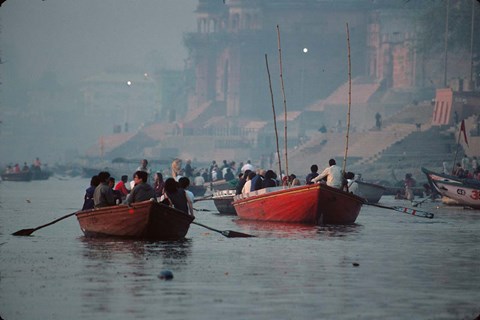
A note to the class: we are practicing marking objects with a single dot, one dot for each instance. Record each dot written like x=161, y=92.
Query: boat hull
x=223, y=201
x=198, y=191
x=142, y=220
x=369, y=191
x=464, y=192
x=311, y=204
x=18, y=176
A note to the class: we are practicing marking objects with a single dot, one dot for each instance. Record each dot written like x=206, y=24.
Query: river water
x=388, y=265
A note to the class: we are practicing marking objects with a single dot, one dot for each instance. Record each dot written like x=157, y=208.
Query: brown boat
x=142, y=220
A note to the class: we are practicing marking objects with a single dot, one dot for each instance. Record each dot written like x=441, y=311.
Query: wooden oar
x=413, y=212
x=27, y=232
x=203, y=198
x=226, y=233
x=416, y=204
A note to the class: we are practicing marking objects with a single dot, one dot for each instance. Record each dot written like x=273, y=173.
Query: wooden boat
x=369, y=191
x=223, y=201
x=310, y=204
x=222, y=184
x=198, y=191
x=142, y=220
x=464, y=192
x=41, y=174
x=17, y=176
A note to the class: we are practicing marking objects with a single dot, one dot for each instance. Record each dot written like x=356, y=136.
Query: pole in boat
x=274, y=116
x=349, y=101
x=284, y=100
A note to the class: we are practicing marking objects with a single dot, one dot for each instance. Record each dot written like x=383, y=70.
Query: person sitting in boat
x=103, y=195
x=121, y=187
x=270, y=179
x=117, y=194
x=257, y=181
x=25, y=167
x=333, y=173
x=88, y=202
x=199, y=180
x=142, y=191
x=313, y=173
x=242, y=178
x=228, y=175
x=247, y=187
x=158, y=184
x=16, y=168
x=175, y=196
x=458, y=171
x=184, y=183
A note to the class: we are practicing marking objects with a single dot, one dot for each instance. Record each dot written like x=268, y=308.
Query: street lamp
x=302, y=81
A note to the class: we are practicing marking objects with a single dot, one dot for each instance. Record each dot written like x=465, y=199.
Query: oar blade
x=24, y=232
x=236, y=234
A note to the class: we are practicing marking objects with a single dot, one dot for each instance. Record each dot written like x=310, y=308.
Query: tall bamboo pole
x=446, y=45
x=284, y=101
x=349, y=101
x=471, y=41
x=274, y=117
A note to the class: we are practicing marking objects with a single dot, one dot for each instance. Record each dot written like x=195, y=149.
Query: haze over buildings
x=48, y=48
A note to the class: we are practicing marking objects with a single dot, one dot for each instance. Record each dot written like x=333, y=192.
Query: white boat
x=464, y=192
x=369, y=191
x=223, y=200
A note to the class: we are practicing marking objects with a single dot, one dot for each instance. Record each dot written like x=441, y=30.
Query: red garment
x=121, y=187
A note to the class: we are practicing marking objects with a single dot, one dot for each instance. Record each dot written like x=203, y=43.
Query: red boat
x=142, y=220
x=311, y=204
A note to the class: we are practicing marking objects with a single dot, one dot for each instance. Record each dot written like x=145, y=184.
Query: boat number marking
x=461, y=192
x=475, y=195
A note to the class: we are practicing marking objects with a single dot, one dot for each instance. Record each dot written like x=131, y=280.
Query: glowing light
x=129, y=83
x=305, y=50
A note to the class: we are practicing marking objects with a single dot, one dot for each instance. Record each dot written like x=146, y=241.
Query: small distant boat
x=142, y=220
x=316, y=204
x=223, y=201
x=198, y=191
x=41, y=174
x=369, y=191
x=17, y=176
x=222, y=184
x=464, y=192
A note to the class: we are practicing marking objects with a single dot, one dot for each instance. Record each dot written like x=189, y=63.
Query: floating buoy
x=165, y=275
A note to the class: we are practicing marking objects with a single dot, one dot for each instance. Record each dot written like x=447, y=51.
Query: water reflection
x=297, y=230
x=129, y=269
x=111, y=249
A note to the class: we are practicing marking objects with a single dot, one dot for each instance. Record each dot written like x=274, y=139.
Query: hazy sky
x=78, y=38
x=73, y=40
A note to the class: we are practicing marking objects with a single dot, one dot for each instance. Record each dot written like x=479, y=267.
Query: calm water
x=408, y=267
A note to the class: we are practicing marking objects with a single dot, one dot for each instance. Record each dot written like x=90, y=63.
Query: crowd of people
x=34, y=167
x=173, y=191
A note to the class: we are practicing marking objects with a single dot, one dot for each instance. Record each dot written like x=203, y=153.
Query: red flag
x=462, y=129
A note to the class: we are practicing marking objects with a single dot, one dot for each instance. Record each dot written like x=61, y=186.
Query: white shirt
x=247, y=186
x=334, y=176
x=247, y=166
x=198, y=181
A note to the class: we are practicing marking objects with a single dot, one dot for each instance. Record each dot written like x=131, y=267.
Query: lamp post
x=129, y=84
x=302, y=81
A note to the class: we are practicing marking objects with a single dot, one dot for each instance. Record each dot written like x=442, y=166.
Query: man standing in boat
x=333, y=173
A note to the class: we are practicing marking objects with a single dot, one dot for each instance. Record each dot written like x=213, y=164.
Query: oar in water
x=413, y=212
x=416, y=204
x=203, y=198
x=27, y=232
x=226, y=233
x=206, y=210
